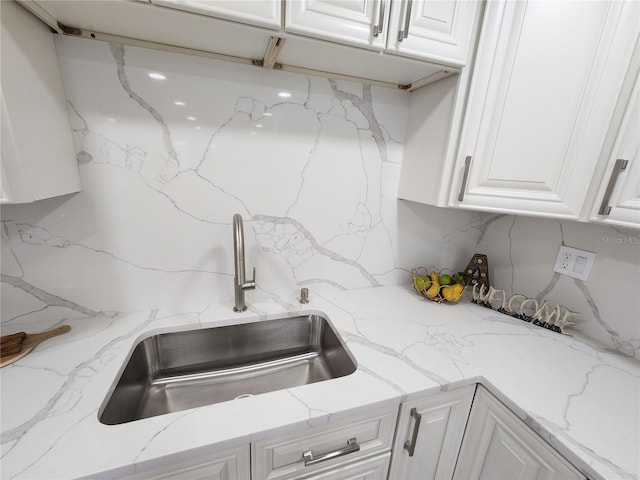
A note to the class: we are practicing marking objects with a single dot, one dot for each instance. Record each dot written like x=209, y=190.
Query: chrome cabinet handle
x=352, y=447
x=379, y=26
x=404, y=33
x=410, y=446
x=605, y=208
x=465, y=177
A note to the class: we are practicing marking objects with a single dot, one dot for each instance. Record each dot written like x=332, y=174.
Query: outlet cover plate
x=574, y=262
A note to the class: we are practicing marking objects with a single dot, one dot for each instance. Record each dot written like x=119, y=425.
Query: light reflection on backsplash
x=311, y=164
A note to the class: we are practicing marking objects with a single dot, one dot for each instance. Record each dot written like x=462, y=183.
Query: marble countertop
x=584, y=400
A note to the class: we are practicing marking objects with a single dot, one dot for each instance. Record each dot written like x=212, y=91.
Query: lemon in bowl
x=422, y=283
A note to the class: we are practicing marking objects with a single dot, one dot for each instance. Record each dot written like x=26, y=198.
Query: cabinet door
x=541, y=99
x=263, y=13
x=498, y=445
x=38, y=158
x=434, y=427
x=353, y=22
x=440, y=31
x=618, y=201
x=230, y=464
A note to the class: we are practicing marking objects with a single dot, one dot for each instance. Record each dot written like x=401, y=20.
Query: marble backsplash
x=311, y=164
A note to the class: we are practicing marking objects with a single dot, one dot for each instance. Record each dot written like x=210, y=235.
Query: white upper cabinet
x=440, y=30
x=349, y=39
x=618, y=198
x=38, y=157
x=143, y=23
x=353, y=22
x=263, y=13
x=542, y=96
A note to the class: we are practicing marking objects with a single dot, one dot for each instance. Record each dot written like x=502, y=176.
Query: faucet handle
x=251, y=284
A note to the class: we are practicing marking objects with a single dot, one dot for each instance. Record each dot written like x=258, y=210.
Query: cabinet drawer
x=374, y=468
x=283, y=456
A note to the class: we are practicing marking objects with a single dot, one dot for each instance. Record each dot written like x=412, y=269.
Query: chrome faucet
x=239, y=283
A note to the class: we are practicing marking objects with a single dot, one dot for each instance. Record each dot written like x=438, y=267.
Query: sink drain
x=244, y=395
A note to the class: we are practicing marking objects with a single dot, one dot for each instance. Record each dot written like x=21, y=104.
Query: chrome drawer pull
x=605, y=208
x=410, y=446
x=379, y=26
x=404, y=33
x=351, y=447
x=465, y=177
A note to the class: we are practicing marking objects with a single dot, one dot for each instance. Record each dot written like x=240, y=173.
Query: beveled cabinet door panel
x=618, y=201
x=498, y=445
x=429, y=435
x=539, y=106
x=353, y=22
x=440, y=30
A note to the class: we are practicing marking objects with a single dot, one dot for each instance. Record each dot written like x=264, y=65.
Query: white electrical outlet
x=574, y=263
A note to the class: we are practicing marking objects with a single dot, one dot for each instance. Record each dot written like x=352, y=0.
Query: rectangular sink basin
x=171, y=372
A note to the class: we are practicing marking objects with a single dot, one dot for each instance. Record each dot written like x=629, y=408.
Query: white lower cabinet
x=232, y=464
x=498, y=445
x=356, y=448
x=461, y=434
x=429, y=435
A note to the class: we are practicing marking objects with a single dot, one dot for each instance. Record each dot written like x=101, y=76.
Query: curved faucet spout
x=239, y=282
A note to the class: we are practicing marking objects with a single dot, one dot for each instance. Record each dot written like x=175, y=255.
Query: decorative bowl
x=427, y=282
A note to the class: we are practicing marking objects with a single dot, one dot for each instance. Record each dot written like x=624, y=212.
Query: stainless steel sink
x=175, y=371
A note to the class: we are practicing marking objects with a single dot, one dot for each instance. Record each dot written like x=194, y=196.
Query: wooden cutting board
x=31, y=341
